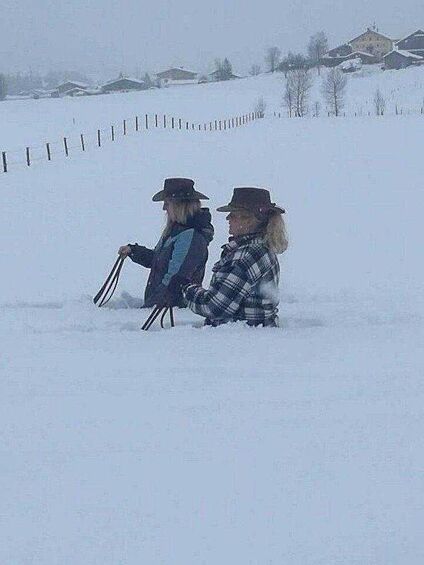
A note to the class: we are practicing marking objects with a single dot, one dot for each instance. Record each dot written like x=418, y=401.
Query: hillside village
x=369, y=48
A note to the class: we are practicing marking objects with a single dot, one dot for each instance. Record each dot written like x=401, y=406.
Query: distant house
x=214, y=76
x=124, y=84
x=341, y=51
x=366, y=59
x=372, y=42
x=371, y=46
x=176, y=75
x=69, y=85
x=399, y=59
x=413, y=43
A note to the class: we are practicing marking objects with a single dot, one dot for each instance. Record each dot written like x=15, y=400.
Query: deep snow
x=300, y=445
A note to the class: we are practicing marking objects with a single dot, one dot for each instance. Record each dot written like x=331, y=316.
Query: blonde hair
x=275, y=233
x=179, y=212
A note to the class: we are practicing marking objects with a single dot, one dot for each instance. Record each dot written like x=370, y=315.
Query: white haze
x=102, y=37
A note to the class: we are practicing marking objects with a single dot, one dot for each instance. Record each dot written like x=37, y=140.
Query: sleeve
x=223, y=298
x=188, y=253
x=141, y=255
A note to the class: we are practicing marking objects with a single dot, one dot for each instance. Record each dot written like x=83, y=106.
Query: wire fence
x=358, y=113
x=79, y=143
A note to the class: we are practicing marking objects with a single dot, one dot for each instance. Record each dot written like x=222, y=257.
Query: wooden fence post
x=82, y=142
x=99, y=141
x=136, y=123
x=216, y=125
x=49, y=155
x=172, y=123
x=65, y=144
x=4, y=159
x=186, y=125
x=179, y=123
x=164, y=121
x=156, y=120
x=28, y=160
x=147, y=121
x=125, y=127
x=112, y=131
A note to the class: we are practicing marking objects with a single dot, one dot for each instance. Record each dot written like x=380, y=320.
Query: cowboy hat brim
x=161, y=195
x=232, y=208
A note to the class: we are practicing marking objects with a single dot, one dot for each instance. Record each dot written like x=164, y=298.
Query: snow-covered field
x=301, y=445
x=36, y=122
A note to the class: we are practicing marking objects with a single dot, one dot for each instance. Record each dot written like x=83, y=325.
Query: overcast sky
x=102, y=37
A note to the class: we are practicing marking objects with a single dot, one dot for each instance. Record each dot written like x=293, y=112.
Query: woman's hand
x=124, y=251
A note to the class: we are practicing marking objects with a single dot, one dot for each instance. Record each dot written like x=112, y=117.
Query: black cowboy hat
x=178, y=189
x=256, y=200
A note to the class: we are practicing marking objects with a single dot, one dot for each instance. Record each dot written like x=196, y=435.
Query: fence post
x=112, y=131
x=179, y=123
x=147, y=121
x=82, y=142
x=156, y=120
x=28, y=160
x=164, y=121
x=99, y=141
x=172, y=123
x=186, y=125
x=192, y=126
x=3, y=155
x=65, y=144
x=49, y=155
x=136, y=123
x=216, y=125
x=125, y=127
x=200, y=127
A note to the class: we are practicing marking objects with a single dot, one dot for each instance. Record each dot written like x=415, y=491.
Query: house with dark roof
x=175, y=76
x=124, y=84
x=414, y=43
x=399, y=59
x=68, y=85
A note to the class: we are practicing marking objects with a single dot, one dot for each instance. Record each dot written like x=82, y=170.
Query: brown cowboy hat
x=256, y=200
x=178, y=189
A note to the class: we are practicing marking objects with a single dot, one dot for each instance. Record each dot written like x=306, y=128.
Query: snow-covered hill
x=35, y=122
x=300, y=445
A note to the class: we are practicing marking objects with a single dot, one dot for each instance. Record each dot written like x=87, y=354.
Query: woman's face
x=241, y=222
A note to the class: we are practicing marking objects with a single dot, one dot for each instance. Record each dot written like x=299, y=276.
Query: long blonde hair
x=275, y=233
x=179, y=212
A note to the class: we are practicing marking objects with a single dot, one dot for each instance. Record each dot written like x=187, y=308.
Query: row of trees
x=298, y=86
x=297, y=90
x=316, y=49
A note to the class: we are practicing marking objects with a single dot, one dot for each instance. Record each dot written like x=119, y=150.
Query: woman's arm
x=223, y=298
x=141, y=255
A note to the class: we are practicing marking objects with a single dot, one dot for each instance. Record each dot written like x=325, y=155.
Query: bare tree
x=379, y=103
x=317, y=47
x=298, y=85
x=255, y=70
x=288, y=98
x=272, y=58
x=333, y=89
x=260, y=107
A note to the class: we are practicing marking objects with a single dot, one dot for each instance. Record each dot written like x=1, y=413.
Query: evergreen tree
x=3, y=87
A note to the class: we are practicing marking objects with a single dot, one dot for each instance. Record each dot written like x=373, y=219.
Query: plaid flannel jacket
x=244, y=285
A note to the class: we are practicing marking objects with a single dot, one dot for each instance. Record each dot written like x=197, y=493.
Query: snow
x=301, y=445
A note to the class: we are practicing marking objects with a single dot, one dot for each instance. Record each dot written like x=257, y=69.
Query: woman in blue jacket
x=182, y=250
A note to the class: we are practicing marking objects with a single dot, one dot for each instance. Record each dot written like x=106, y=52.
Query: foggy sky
x=103, y=37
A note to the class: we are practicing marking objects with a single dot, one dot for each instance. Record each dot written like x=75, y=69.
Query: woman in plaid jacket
x=244, y=284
